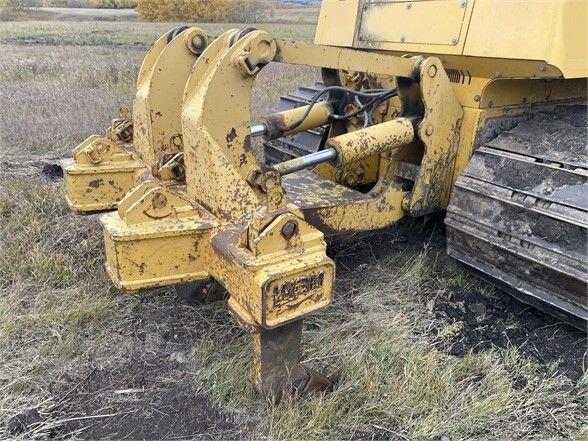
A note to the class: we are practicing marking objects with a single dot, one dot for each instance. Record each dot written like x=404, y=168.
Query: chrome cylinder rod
x=306, y=161
x=258, y=130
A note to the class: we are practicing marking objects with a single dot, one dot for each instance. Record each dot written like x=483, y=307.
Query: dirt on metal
x=518, y=213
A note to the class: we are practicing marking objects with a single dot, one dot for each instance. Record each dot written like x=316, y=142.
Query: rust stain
x=231, y=135
x=96, y=183
x=112, y=183
x=275, y=125
x=247, y=143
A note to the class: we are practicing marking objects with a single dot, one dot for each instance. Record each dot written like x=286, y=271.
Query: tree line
x=22, y=5
x=219, y=11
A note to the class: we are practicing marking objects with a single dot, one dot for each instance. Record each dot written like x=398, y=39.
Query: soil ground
x=491, y=319
x=146, y=381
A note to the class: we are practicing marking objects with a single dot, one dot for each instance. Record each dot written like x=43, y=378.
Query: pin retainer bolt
x=289, y=229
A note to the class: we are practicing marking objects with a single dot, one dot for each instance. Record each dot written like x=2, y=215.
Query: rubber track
x=519, y=213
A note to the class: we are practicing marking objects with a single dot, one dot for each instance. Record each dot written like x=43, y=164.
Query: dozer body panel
x=553, y=32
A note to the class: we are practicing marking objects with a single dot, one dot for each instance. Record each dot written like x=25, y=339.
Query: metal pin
x=258, y=130
x=297, y=164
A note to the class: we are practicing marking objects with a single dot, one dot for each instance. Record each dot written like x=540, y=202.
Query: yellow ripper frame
x=192, y=201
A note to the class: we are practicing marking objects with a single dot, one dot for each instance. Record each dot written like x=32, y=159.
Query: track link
x=518, y=213
x=303, y=143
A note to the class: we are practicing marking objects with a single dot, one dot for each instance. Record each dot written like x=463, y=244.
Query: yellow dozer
x=473, y=107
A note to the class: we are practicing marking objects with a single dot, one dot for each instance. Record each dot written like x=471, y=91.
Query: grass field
x=418, y=348
x=270, y=12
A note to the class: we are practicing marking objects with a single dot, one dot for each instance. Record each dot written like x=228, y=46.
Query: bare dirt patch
x=160, y=368
x=152, y=388
x=486, y=318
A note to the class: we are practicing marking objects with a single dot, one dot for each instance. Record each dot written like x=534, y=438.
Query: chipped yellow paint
x=192, y=202
x=414, y=24
x=160, y=88
x=548, y=33
x=100, y=173
x=296, y=120
x=103, y=170
x=439, y=132
x=379, y=138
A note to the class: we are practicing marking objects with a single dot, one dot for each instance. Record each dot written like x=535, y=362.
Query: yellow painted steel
x=439, y=23
x=99, y=174
x=552, y=32
x=103, y=170
x=380, y=138
x=299, y=119
x=340, y=15
x=160, y=88
x=193, y=202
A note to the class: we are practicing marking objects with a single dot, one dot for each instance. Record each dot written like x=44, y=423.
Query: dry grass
x=269, y=13
x=394, y=378
x=61, y=321
x=295, y=14
x=56, y=93
x=124, y=33
x=52, y=289
x=54, y=96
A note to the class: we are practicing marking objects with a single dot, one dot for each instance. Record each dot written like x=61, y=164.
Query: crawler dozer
x=472, y=107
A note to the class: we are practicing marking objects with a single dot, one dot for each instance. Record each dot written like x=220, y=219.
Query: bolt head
x=402, y=38
x=454, y=40
x=276, y=197
x=405, y=204
x=289, y=229
x=176, y=140
x=158, y=201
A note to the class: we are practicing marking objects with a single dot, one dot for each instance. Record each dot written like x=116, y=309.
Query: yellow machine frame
x=191, y=201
